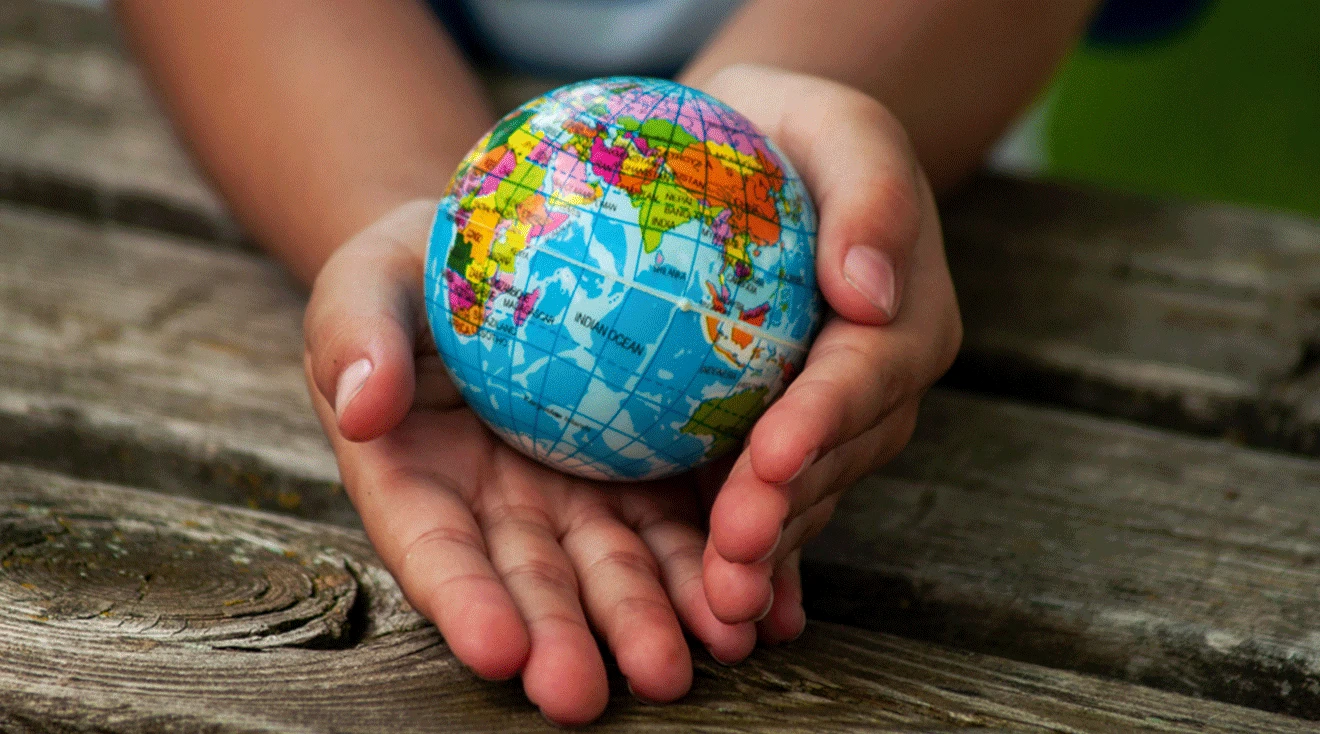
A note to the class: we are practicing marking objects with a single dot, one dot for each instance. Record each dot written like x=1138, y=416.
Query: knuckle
x=626, y=561
x=441, y=542
x=556, y=616
x=515, y=516
x=846, y=349
x=647, y=608
x=893, y=437
x=543, y=574
x=893, y=208
x=680, y=553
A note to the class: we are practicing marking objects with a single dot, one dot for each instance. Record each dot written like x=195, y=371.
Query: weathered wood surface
x=1063, y=539
x=1182, y=563
x=1197, y=317
x=80, y=132
x=1071, y=541
x=122, y=611
x=157, y=363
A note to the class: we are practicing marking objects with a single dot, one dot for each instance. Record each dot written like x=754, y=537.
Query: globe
x=620, y=278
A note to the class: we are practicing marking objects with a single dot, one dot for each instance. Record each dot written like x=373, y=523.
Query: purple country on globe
x=620, y=277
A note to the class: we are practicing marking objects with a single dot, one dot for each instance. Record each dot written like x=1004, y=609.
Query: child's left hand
x=895, y=329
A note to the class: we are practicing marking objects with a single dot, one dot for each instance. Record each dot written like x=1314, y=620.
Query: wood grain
x=1192, y=316
x=1055, y=538
x=80, y=132
x=1182, y=563
x=122, y=611
x=159, y=363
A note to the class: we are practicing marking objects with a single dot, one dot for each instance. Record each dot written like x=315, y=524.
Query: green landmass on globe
x=620, y=277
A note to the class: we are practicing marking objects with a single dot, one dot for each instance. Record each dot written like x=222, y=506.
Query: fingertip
x=666, y=673
x=373, y=395
x=569, y=689
x=490, y=639
x=734, y=650
x=866, y=246
x=784, y=442
x=729, y=644
x=786, y=619
x=737, y=592
x=785, y=623
x=747, y=518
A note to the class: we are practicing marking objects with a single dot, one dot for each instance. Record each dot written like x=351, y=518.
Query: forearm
x=312, y=118
x=955, y=72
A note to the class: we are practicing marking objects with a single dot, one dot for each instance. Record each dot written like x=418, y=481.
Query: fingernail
x=721, y=661
x=806, y=463
x=768, y=606
x=868, y=271
x=351, y=381
x=771, y=553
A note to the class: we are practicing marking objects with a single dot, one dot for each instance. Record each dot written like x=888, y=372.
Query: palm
x=518, y=564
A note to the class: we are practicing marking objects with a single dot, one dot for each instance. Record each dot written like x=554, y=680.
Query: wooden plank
x=1059, y=539
x=1182, y=563
x=1197, y=317
x=121, y=611
x=80, y=132
x=1193, y=316
x=159, y=363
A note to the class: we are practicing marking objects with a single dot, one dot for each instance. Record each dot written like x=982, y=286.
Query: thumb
x=361, y=325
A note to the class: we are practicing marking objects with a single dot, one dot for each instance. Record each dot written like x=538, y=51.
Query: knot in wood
x=143, y=581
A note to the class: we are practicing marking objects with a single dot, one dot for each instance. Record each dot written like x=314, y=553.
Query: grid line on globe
x=554, y=296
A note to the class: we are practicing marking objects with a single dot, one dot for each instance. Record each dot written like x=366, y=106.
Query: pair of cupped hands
x=523, y=568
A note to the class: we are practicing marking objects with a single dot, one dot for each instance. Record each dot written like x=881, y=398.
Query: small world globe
x=620, y=278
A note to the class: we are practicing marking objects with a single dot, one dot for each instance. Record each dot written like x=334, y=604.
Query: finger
x=421, y=526
x=564, y=674
x=737, y=592
x=626, y=603
x=678, y=548
x=362, y=322
x=740, y=592
x=855, y=374
x=786, y=619
x=748, y=517
x=856, y=161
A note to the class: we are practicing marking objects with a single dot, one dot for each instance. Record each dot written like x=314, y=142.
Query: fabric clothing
x=586, y=37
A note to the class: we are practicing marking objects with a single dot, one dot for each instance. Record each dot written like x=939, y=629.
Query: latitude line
x=681, y=302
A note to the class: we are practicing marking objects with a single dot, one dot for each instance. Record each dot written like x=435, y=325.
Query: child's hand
x=894, y=331
x=519, y=565
x=516, y=564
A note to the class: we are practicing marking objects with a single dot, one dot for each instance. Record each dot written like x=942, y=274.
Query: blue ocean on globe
x=620, y=278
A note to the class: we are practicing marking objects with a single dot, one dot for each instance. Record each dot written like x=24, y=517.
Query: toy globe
x=621, y=278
